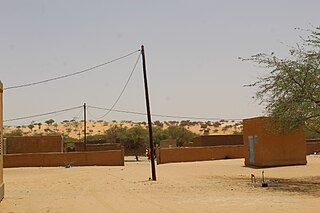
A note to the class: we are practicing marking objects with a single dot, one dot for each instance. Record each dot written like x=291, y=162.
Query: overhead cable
x=41, y=118
x=71, y=74
x=120, y=111
x=165, y=116
x=124, y=88
x=43, y=114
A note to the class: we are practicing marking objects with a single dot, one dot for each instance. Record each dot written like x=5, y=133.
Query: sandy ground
x=211, y=186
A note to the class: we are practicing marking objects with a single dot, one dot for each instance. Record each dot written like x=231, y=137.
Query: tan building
x=1, y=145
x=264, y=147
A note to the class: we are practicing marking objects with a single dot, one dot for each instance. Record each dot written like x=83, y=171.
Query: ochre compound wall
x=216, y=140
x=34, y=144
x=313, y=147
x=1, y=145
x=104, y=158
x=79, y=147
x=189, y=154
x=168, y=143
x=269, y=148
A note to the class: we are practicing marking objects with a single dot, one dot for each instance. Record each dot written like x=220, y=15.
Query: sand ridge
x=74, y=129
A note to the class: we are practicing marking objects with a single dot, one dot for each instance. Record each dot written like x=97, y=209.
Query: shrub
x=237, y=133
x=158, y=123
x=16, y=132
x=216, y=124
x=203, y=126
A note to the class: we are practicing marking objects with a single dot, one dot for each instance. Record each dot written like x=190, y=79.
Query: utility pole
x=153, y=168
x=85, y=126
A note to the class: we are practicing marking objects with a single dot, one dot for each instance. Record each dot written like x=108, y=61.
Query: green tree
x=159, y=134
x=203, y=125
x=31, y=126
x=39, y=125
x=185, y=123
x=291, y=91
x=134, y=138
x=115, y=133
x=49, y=122
x=181, y=134
x=158, y=123
x=216, y=124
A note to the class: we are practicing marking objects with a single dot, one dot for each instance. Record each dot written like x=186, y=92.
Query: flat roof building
x=265, y=147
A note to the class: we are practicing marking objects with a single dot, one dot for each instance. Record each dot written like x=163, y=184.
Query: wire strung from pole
x=165, y=116
x=121, y=93
x=56, y=114
x=77, y=116
x=71, y=74
x=119, y=111
x=43, y=114
x=92, y=115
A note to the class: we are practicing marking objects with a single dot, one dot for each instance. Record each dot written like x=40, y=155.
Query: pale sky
x=192, y=50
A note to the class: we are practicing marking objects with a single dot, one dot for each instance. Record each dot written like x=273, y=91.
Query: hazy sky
x=192, y=50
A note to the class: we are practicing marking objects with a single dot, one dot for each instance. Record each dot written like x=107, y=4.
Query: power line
x=115, y=110
x=77, y=115
x=43, y=114
x=71, y=74
x=164, y=116
x=119, y=111
x=57, y=114
x=121, y=93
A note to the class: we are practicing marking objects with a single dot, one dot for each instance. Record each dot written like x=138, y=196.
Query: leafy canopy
x=291, y=92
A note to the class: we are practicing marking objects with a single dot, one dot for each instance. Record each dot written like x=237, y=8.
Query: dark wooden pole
x=85, y=126
x=153, y=167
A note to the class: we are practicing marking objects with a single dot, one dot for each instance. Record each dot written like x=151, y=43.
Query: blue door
x=251, y=150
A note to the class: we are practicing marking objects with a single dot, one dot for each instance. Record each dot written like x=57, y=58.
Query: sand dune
x=75, y=129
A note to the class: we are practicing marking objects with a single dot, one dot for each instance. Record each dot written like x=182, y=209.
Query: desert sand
x=210, y=186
